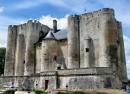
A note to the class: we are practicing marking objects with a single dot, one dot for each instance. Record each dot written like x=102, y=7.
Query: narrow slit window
x=24, y=62
x=87, y=49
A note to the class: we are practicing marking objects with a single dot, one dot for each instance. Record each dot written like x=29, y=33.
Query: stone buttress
x=122, y=64
x=19, y=63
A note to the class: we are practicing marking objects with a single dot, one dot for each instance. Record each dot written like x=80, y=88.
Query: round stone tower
x=73, y=41
x=107, y=39
x=49, y=52
x=10, y=51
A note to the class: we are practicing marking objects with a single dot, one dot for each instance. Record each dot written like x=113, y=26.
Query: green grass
x=40, y=92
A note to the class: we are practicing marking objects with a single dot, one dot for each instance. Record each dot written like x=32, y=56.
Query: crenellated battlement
x=91, y=16
x=95, y=13
x=25, y=27
x=73, y=17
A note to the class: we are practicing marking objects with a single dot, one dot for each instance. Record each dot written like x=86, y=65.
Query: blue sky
x=20, y=11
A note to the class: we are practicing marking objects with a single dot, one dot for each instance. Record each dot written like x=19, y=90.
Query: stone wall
x=121, y=54
x=30, y=32
x=38, y=52
x=47, y=51
x=10, y=51
x=103, y=48
x=86, y=78
x=25, y=82
x=86, y=82
x=19, y=64
x=62, y=54
x=89, y=26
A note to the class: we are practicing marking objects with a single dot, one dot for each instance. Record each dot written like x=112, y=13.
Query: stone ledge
x=86, y=71
x=77, y=71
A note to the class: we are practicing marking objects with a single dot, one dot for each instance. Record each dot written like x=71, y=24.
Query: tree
x=129, y=82
x=2, y=60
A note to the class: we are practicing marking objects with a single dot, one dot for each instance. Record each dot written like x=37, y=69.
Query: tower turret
x=49, y=51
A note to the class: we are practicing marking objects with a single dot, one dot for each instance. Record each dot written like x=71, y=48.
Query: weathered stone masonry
x=88, y=55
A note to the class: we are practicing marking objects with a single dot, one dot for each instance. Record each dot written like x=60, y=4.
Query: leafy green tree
x=129, y=82
x=2, y=60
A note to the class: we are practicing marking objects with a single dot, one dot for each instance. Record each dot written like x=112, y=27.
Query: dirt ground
x=109, y=91
x=23, y=92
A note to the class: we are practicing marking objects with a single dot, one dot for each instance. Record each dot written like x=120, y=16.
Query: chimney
x=54, y=26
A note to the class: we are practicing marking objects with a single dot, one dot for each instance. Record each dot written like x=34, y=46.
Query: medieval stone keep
x=88, y=55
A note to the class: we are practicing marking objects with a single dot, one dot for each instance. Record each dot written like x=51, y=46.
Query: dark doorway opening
x=46, y=84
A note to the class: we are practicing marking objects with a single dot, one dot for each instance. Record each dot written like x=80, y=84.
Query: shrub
x=62, y=93
x=10, y=91
x=40, y=92
x=78, y=92
x=102, y=93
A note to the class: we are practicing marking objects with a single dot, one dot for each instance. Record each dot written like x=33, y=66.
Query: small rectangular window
x=87, y=49
x=54, y=58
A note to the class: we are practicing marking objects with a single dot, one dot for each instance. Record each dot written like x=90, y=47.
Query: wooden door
x=46, y=84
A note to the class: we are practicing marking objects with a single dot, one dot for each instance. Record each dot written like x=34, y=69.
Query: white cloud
x=4, y=23
x=3, y=45
x=1, y=9
x=127, y=45
x=127, y=53
x=48, y=20
x=119, y=7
